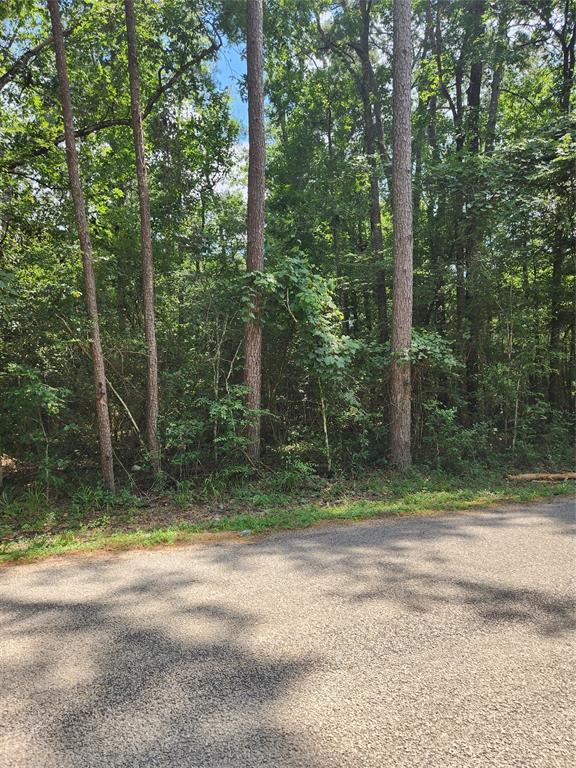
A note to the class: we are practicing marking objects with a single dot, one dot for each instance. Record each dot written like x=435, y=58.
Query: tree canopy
x=493, y=172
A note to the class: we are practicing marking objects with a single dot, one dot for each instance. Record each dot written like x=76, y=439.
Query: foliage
x=453, y=447
x=122, y=528
x=493, y=351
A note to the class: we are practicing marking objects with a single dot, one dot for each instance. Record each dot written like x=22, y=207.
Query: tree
x=358, y=39
x=492, y=353
x=102, y=414
x=560, y=23
x=255, y=216
x=373, y=139
x=400, y=384
x=152, y=400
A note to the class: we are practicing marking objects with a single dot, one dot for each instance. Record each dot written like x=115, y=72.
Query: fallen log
x=549, y=476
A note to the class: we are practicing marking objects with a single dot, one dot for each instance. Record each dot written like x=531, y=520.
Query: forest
x=353, y=254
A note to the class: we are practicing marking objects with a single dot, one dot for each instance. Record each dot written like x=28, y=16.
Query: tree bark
x=255, y=216
x=376, y=239
x=473, y=308
x=400, y=380
x=496, y=84
x=566, y=36
x=102, y=414
x=152, y=399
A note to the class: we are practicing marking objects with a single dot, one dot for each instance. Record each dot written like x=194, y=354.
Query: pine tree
x=255, y=215
x=152, y=399
x=400, y=380
x=102, y=414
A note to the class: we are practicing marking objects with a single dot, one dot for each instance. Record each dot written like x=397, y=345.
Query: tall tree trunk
x=467, y=126
x=564, y=241
x=555, y=328
x=496, y=84
x=473, y=308
x=255, y=215
x=102, y=414
x=422, y=111
x=152, y=400
x=374, y=144
x=366, y=86
x=436, y=201
x=400, y=380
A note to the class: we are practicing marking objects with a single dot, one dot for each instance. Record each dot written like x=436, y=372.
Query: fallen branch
x=548, y=476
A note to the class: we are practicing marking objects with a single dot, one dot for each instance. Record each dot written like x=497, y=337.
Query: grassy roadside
x=256, y=509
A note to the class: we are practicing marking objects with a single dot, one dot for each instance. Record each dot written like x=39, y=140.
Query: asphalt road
x=415, y=642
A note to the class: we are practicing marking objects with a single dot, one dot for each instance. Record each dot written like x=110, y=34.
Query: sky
x=229, y=70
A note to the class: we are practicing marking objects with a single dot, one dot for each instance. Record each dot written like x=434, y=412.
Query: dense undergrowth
x=34, y=524
x=492, y=353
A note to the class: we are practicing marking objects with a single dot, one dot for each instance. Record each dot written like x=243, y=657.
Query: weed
x=412, y=493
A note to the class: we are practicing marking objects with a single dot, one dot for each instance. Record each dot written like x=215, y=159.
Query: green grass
x=102, y=524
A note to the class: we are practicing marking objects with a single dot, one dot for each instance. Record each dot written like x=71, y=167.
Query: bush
x=450, y=446
x=545, y=435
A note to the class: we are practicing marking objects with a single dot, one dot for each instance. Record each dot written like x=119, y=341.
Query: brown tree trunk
x=103, y=417
x=152, y=400
x=255, y=216
x=376, y=239
x=472, y=308
x=496, y=84
x=564, y=244
x=400, y=382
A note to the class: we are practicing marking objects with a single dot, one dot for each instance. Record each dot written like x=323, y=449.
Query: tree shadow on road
x=407, y=562
x=105, y=688
x=156, y=665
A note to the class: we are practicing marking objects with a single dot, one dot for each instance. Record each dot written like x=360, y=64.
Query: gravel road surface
x=435, y=642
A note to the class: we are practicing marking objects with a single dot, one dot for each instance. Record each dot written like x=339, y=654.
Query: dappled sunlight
x=134, y=690
x=295, y=649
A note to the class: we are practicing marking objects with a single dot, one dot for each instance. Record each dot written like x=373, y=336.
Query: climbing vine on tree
x=489, y=118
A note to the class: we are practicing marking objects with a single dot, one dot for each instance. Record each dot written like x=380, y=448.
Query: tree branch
x=441, y=82
x=100, y=125
x=546, y=20
x=21, y=63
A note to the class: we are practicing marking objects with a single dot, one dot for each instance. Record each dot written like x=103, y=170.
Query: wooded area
x=380, y=272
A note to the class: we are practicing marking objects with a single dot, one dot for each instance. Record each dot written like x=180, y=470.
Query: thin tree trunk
x=376, y=239
x=325, y=428
x=436, y=202
x=374, y=143
x=152, y=400
x=554, y=379
x=564, y=241
x=102, y=414
x=255, y=216
x=400, y=380
x=496, y=84
x=473, y=308
x=421, y=112
x=493, y=108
